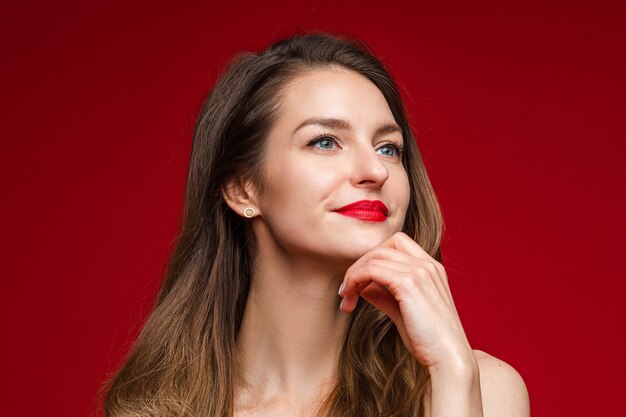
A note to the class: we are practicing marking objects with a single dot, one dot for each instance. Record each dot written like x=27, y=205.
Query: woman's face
x=308, y=179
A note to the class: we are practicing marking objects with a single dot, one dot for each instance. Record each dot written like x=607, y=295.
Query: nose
x=367, y=168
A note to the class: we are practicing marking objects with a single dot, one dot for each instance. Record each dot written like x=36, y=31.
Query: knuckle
x=440, y=269
x=422, y=271
x=379, y=252
x=431, y=267
x=370, y=261
x=410, y=281
x=369, y=267
x=437, y=263
x=347, y=277
x=444, y=275
x=400, y=235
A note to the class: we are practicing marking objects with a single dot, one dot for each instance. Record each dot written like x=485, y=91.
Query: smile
x=367, y=210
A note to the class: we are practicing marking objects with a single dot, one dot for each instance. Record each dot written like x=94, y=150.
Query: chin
x=357, y=246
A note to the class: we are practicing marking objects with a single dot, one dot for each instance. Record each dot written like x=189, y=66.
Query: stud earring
x=249, y=212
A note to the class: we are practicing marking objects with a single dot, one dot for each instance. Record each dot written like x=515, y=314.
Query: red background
x=520, y=116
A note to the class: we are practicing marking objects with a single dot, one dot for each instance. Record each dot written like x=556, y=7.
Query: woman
x=307, y=276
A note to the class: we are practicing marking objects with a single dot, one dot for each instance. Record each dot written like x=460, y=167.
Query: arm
x=485, y=387
x=411, y=288
x=456, y=390
x=503, y=389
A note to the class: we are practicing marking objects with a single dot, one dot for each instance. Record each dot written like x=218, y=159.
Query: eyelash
x=399, y=149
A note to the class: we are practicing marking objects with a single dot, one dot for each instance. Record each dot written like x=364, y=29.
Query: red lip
x=372, y=210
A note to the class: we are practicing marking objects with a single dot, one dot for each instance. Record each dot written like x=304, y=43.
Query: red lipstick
x=370, y=210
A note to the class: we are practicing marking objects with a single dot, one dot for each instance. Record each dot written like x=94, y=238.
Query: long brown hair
x=183, y=362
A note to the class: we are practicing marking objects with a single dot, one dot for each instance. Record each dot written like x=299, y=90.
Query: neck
x=292, y=331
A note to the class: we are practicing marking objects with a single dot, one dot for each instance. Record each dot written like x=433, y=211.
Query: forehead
x=334, y=93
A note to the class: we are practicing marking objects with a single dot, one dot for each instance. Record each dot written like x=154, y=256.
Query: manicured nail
x=343, y=284
x=341, y=304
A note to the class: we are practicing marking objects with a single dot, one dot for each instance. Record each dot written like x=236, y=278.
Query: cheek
x=298, y=187
x=402, y=191
x=295, y=208
x=407, y=192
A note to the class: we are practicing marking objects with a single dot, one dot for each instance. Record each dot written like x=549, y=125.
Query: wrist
x=459, y=365
x=455, y=385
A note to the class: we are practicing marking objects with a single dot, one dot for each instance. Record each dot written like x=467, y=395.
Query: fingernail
x=343, y=284
x=341, y=304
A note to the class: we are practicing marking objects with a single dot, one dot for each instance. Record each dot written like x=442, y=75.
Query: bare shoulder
x=503, y=390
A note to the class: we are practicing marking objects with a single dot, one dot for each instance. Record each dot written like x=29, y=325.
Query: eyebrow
x=341, y=124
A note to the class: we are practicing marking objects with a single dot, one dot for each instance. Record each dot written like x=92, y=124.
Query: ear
x=240, y=194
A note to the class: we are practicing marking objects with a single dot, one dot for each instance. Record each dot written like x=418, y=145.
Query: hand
x=411, y=288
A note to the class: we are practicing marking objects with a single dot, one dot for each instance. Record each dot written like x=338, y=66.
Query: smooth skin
x=290, y=338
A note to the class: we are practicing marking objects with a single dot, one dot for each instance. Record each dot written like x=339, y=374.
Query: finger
x=380, y=253
x=403, y=249
x=398, y=243
x=359, y=277
x=363, y=269
x=381, y=298
x=417, y=273
x=393, y=254
x=427, y=271
x=402, y=242
x=395, y=281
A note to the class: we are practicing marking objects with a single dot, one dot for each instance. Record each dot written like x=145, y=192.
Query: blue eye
x=323, y=142
x=390, y=149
